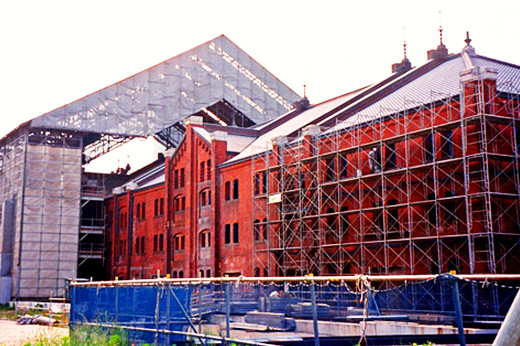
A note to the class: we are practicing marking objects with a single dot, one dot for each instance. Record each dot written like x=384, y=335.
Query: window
x=227, y=234
x=256, y=272
x=390, y=156
x=143, y=210
x=344, y=221
x=257, y=184
x=161, y=242
x=155, y=243
x=329, y=169
x=432, y=212
x=176, y=179
x=137, y=245
x=178, y=243
x=264, y=228
x=181, y=178
x=256, y=230
x=205, y=198
x=235, y=189
x=235, y=233
x=447, y=144
x=377, y=217
x=343, y=166
x=208, y=273
x=374, y=160
x=264, y=182
x=156, y=208
x=208, y=170
x=450, y=207
x=161, y=206
x=393, y=217
x=201, y=273
x=428, y=148
x=138, y=211
x=142, y=245
x=181, y=274
x=228, y=191
x=179, y=203
x=202, y=171
x=174, y=274
x=204, y=239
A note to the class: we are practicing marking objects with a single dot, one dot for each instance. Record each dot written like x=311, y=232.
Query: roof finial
x=467, y=40
x=404, y=42
x=468, y=49
x=304, y=85
x=440, y=25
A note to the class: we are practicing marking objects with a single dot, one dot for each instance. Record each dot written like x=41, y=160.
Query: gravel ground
x=12, y=334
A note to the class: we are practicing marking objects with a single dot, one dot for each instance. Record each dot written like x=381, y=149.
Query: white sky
x=54, y=52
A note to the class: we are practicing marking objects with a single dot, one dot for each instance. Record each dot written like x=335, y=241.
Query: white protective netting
x=156, y=98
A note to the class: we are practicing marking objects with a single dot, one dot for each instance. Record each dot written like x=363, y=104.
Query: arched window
x=208, y=273
x=178, y=243
x=205, y=239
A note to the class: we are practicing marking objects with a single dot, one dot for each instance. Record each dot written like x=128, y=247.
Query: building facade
x=416, y=174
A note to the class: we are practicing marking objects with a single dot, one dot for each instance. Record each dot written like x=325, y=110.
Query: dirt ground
x=12, y=334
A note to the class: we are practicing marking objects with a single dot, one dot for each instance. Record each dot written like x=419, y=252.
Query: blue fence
x=165, y=311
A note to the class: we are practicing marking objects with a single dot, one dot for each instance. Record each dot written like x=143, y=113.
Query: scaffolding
x=430, y=188
x=40, y=181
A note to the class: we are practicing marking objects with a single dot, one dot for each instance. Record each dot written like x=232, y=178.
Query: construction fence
x=166, y=311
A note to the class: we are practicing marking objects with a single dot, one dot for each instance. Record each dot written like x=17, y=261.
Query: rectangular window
x=176, y=179
x=390, y=156
x=202, y=171
x=235, y=233
x=203, y=198
x=343, y=166
x=227, y=234
x=330, y=169
x=228, y=191
x=161, y=242
x=447, y=145
x=138, y=211
x=428, y=148
x=181, y=178
x=208, y=168
x=143, y=211
x=235, y=189
x=374, y=160
x=257, y=184
x=161, y=206
x=156, y=208
x=264, y=182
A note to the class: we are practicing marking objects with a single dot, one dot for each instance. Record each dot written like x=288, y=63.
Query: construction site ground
x=13, y=334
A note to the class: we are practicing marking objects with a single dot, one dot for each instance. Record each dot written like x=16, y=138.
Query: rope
x=363, y=287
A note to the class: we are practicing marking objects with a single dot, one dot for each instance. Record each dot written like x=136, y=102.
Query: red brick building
x=416, y=174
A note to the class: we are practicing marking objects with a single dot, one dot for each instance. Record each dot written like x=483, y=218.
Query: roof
x=235, y=143
x=434, y=81
x=437, y=84
x=164, y=94
x=264, y=141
